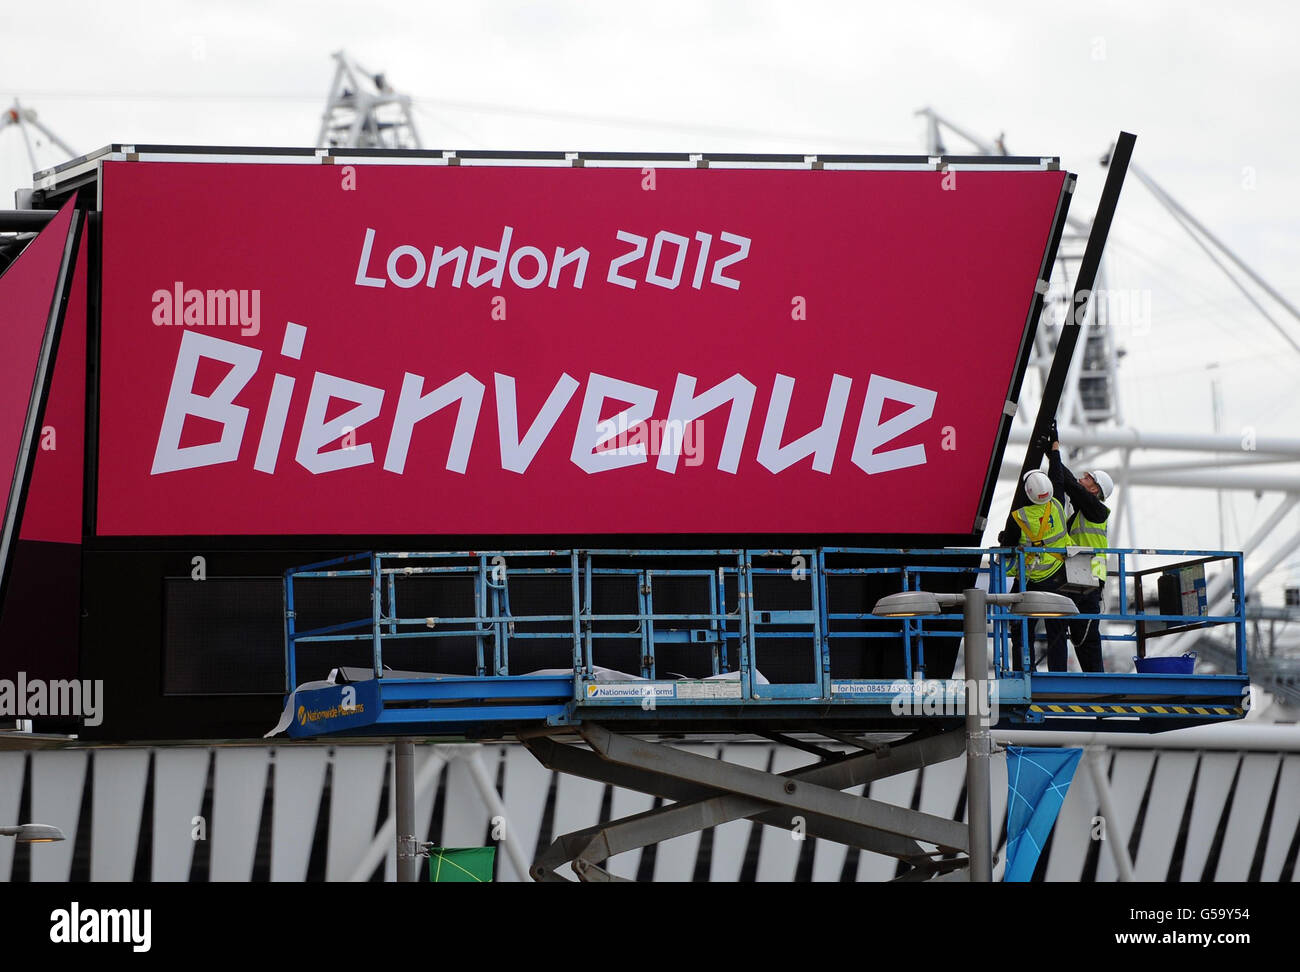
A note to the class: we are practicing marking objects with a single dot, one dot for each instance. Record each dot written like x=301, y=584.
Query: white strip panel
x=1282, y=828
x=354, y=805
x=240, y=158
x=941, y=785
x=117, y=803
x=625, y=804
x=424, y=801
x=1249, y=804
x=882, y=166
x=526, y=163
x=636, y=164
x=179, y=777
x=526, y=784
x=577, y=806
x=299, y=777
x=997, y=801
x=730, y=839
x=977, y=167
x=238, y=790
x=1072, y=835
x=778, y=854
x=1128, y=781
x=896, y=790
x=1207, y=809
x=12, y=768
x=675, y=859
x=390, y=855
x=828, y=855
x=355, y=160
x=1164, y=815
x=465, y=816
x=57, y=779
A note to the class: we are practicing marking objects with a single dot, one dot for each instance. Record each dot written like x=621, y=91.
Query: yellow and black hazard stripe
x=1105, y=709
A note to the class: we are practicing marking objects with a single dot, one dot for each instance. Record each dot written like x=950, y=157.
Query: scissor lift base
x=708, y=792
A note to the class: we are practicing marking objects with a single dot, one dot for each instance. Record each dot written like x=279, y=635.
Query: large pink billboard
x=512, y=349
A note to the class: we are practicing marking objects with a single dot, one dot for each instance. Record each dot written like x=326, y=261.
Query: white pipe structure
x=1218, y=585
x=1208, y=478
x=1190, y=222
x=1219, y=461
x=1235, y=736
x=488, y=791
x=1121, y=504
x=1129, y=438
x=1118, y=840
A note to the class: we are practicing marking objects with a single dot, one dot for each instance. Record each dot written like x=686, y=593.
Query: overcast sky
x=1210, y=90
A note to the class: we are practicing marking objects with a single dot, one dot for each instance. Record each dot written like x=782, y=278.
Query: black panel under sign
x=223, y=636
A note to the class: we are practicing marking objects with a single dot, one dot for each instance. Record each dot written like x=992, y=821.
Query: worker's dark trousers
x=1086, y=635
x=1056, y=650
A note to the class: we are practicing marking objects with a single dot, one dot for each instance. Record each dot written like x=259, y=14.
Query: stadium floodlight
x=908, y=604
x=1040, y=604
x=33, y=833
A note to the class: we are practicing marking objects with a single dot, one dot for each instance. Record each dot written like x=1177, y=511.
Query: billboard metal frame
x=53, y=185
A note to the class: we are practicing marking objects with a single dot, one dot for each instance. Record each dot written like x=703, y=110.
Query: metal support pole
x=425, y=777
x=979, y=740
x=404, y=763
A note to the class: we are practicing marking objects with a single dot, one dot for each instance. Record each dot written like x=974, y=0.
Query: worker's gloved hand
x=1008, y=538
x=1056, y=435
x=1044, y=443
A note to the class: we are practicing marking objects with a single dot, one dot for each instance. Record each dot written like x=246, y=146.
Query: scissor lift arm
x=709, y=792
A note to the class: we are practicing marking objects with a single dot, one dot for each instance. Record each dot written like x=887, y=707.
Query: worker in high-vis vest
x=1087, y=528
x=1038, y=522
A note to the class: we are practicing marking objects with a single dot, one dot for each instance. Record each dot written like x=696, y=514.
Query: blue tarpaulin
x=1037, y=781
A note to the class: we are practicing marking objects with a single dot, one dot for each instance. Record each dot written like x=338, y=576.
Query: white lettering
x=873, y=433
x=517, y=454
x=592, y=432
x=218, y=407
x=412, y=407
x=317, y=433
x=820, y=443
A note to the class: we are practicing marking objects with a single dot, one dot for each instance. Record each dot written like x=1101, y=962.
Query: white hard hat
x=1038, y=487
x=1102, y=479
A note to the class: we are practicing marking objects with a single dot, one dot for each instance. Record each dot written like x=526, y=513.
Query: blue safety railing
x=1128, y=612
x=735, y=630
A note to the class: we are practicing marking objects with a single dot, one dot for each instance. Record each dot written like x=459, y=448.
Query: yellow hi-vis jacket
x=1041, y=525
x=1089, y=534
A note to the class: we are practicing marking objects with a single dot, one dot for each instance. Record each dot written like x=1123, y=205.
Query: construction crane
x=23, y=119
x=364, y=111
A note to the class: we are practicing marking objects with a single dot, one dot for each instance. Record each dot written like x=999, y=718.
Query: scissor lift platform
x=732, y=617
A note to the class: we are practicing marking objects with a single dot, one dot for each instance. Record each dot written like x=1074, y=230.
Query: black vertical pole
x=1083, y=285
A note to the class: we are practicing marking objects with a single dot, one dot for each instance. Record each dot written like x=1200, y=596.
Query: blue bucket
x=1174, y=665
